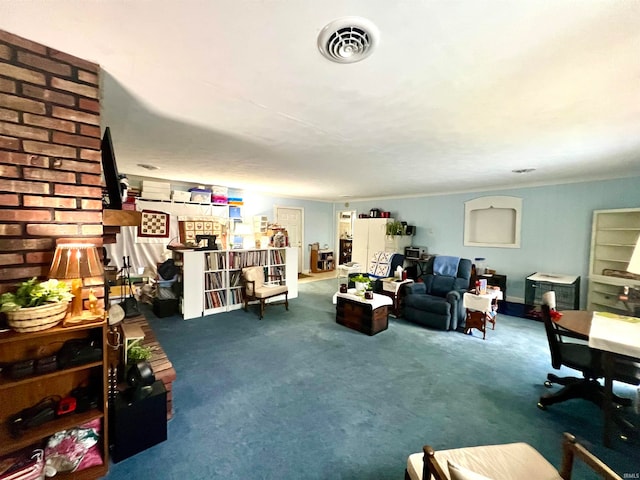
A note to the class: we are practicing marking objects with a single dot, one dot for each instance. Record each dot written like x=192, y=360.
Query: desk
x=618, y=338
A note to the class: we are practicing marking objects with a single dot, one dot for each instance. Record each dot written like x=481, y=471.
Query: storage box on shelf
x=22, y=393
x=213, y=281
x=614, y=234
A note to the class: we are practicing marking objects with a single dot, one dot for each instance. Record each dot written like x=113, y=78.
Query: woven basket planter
x=34, y=319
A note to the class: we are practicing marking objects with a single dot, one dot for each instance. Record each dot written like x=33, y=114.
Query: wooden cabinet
x=28, y=391
x=212, y=279
x=614, y=234
x=322, y=261
x=361, y=316
x=345, y=251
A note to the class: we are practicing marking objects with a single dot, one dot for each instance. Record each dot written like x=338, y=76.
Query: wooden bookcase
x=18, y=394
x=212, y=279
x=322, y=261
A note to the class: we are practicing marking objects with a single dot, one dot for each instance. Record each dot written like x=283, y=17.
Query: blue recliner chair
x=436, y=301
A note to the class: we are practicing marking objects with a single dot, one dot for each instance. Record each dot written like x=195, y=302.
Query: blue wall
x=319, y=223
x=555, y=235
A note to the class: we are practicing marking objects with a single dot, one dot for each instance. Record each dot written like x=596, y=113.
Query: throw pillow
x=456, y=472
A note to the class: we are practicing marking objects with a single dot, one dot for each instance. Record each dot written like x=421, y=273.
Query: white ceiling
x=457, y=94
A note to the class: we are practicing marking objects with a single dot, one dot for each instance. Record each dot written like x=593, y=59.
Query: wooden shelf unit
x=322, y=261
x=26, y=392
x=345, y=250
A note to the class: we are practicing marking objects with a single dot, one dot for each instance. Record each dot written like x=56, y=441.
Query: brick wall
x=50, y=164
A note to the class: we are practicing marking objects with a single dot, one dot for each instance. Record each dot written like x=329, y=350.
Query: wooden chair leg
x=262, y=300
x=286, y=301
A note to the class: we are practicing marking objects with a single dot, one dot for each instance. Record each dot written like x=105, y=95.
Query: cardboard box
x=180, y=196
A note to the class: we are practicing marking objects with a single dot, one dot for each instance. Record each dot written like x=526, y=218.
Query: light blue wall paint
x=556, y=227
x=319, y=224
x=555, y=236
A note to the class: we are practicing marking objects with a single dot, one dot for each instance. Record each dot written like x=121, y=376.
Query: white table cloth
x=377, y=301
x=615, y=333
x=481, y=303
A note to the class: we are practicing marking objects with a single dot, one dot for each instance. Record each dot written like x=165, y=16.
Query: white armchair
x=501, y=462
x=254, y=288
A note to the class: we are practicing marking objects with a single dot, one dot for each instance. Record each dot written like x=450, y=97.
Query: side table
x=358, y=313
x=392, y=288
x=481, y=309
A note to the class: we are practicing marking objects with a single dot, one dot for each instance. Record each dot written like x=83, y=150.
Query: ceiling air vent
x=348, y=39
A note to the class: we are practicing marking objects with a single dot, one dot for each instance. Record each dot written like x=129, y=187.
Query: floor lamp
x=75, y=262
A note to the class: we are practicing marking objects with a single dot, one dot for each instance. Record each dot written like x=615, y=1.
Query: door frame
x=353, y=214
x=301, y=251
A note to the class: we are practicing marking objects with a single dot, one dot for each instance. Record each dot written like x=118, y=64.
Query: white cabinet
x=613, y=236
x=212, y=278
x=370, y=236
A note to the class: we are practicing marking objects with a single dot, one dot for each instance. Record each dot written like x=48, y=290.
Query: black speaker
x=136, y=426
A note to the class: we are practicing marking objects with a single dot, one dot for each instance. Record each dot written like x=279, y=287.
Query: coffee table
x=366, y=316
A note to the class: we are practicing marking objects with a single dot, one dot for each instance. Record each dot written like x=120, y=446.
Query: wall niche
x=493, y=222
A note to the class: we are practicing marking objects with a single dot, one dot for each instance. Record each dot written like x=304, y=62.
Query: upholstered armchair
x=382, y=265
x=254, y=288
x=435, y=299
x=501, y=462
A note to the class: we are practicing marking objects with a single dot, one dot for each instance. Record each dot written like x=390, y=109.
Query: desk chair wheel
x=547, y=384
x=541, y=406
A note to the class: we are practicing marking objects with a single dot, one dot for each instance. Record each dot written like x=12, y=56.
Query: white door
x=292, y=218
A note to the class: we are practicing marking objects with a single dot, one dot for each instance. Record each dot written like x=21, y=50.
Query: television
x=112, y=179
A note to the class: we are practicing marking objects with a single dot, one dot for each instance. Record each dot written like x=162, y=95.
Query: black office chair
x=573, y=355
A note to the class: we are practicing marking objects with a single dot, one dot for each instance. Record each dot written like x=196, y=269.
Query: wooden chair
x=499, y=462
x=254, y=288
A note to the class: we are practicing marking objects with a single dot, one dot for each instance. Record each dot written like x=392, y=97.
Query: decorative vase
x=360, y=287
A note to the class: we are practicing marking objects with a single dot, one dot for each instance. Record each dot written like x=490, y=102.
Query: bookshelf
x=613, y=237
x=322, y=261
x=213, y=279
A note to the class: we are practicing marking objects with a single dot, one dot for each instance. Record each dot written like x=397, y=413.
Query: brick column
x=50, y=164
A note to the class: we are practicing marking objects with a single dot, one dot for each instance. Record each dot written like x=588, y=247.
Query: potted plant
x=36, y=305
x=138, y=353
x=395, y=228
x=361, y=282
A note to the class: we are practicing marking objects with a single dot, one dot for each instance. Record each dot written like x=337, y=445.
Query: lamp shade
x=634, y=263
x=75, y=260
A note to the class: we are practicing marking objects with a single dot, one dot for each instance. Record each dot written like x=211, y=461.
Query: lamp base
x=85, y=317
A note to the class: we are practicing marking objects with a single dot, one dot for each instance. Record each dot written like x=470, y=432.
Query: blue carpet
x=298, y=396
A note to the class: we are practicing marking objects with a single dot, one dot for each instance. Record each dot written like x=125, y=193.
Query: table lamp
x=76, y=261
x=245, y=232
x=634, y=263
